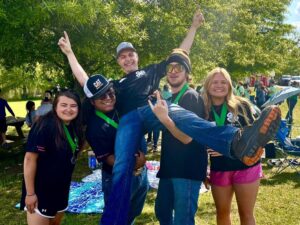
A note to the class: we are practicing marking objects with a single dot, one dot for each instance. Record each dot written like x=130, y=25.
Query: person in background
x=261, y=93
x=3, y=125
x=271, y=89
x=52, y=148
x=46, y=105
x=291, y=102
x=228, y=176
x=30, y=116
x=166, y=94
x=247, y=91
x=240, y=91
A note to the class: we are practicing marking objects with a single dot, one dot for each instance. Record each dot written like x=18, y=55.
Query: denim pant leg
x=164, y=202
x=186, y=193
x=128, y=139
x=202, y=131
x=139, y=189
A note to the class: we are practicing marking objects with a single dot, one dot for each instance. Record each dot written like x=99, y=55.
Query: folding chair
x=286, y=147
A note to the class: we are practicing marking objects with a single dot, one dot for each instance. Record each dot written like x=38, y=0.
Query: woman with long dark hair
x=52, y=148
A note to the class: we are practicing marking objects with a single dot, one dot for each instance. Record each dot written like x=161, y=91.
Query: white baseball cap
x=124, y=45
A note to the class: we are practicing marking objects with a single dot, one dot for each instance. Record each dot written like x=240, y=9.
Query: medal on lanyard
x=73, y=144
x=107, y=119
x=220, y=120
x=181, y=92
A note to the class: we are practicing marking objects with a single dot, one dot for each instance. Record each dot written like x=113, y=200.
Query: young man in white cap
x=132, y=93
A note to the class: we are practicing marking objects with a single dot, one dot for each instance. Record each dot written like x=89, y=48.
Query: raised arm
x=65, y=46
x=187, y=42
x=160, y=109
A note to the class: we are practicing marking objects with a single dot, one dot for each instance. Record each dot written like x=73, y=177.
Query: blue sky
x=293, y=14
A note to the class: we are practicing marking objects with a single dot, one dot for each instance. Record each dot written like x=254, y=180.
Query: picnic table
x=16, y=122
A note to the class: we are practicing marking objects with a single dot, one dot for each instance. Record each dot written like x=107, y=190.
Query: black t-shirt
x=133, y=89
x=177, y=159
x=101, y=137
x=223, y=163
x=54, y=167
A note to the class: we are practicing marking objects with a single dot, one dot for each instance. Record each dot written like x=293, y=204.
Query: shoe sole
x=266, y=132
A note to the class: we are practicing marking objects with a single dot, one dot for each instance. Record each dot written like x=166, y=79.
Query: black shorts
x=50, y=202
x=3, y=125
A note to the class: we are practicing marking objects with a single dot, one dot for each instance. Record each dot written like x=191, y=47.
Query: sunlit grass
x=278, y=201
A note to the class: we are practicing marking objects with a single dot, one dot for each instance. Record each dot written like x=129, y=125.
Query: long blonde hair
x=235, y=104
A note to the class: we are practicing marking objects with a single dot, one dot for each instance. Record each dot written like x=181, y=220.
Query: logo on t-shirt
x=140, y=73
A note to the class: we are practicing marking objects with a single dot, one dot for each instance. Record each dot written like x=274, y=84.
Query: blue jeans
x=177, y=201
x=132, y=127
x=202, y=131
x=139, y=189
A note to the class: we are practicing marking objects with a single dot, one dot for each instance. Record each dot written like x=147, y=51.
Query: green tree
x=244, y=36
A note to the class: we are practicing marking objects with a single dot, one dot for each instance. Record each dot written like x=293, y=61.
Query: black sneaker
x=248, y=143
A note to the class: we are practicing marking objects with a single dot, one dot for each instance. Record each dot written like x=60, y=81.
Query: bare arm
x=30, y=165
x=160, y=109
x=187, y=42
x=65, y=46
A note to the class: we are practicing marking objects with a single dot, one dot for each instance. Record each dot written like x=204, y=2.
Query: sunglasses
x=175, y=68
x=109, y=94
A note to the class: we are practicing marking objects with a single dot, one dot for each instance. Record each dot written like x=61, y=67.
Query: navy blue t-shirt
x=223, y=163
x=101, y=137
x=133, y=89
x=178, y=160
x=3, y=105
x=54, y=167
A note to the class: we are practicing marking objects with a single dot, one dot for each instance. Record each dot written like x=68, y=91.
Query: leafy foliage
x=245, y=36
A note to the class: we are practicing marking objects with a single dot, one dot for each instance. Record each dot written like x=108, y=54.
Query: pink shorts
x=226, y=178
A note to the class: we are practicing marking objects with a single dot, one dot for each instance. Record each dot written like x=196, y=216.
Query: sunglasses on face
x=109, y=94
x=175, y=68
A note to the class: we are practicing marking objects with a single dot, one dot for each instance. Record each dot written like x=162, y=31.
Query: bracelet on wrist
x=30, y=195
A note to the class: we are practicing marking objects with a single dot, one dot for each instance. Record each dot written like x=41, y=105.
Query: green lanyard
x=181, y=92
x=107, y=119
x=220, y=120
x=73, y=143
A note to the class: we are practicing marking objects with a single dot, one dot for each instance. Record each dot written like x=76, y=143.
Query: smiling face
x=106, y=102
x=66, y=109
x=219, y=87
x=128, y=60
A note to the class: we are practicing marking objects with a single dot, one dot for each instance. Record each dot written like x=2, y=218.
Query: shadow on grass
x=289, y=175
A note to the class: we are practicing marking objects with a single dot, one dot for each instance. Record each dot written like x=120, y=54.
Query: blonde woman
x=230, y=176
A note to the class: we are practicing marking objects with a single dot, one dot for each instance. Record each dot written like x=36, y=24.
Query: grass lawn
x=278, y=200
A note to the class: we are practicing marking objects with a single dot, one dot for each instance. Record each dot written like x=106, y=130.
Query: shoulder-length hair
x=76, y=123
x=235, y=104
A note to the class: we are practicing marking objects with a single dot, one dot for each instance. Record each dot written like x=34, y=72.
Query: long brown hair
x=76, y=123
x=234, y=103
